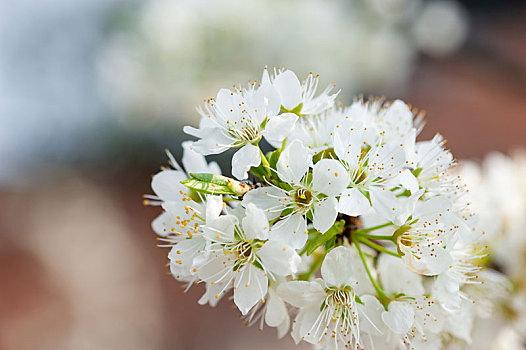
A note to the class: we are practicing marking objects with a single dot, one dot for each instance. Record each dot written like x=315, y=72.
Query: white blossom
x=346, y=194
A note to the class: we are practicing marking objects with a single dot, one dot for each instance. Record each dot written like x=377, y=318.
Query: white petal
x=439, y=262
x=214, y=206
x=294, y=162
x=245, y=158
x=396, y=278
x=388, y=206
x=265, y=101
x=301, y=293
x=190, y=130
x=279, y=127
x=182, y=256
x=433, y=207
x=167, y=185
x=347, y=143
x=386, y=160
x=251, y=286
x=161, y=225
x=399, y=317
x=212, y=140
x=267, y=199
x=409, y=181
x=221, y=229
x=227, y=103
x=283, y=327
x=214, y=293
x=194, y=162
x=292, y=231
x=371, y=315
x=255, y=223
x=329, y=177
x=399, y=114
x=309, y=330
x=218, y=269
x=337, y=268
x=289, y=88
x=353, y=202
x=460, y=323
x=447, y=291
x=279, y=258
x=324, y=214
x=276, y=311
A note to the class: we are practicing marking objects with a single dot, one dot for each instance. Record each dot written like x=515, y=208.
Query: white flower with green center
x=371, y=168
x=303, y=195
x=299, y=98
x=239, y=119
x=243, y=258
x=328, y=313
x=427, y=239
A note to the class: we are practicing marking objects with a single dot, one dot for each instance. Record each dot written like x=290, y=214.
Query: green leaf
x=317, y=239
x=259, y=171
x=212, y=178
x=205, y=187
x=216, y=184
x=273, y=158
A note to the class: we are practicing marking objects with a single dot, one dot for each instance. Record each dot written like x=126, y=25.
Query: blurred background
x=92, y=91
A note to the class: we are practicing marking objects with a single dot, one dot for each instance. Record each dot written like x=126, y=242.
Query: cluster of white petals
x=497, y=191
x=336, y=219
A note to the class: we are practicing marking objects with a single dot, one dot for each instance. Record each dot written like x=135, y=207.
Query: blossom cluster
x=334, y=216
x=497, y=191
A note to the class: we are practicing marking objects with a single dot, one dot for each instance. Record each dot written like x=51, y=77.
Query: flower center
x=406, y=241
x=244, y=251
x=340, y=299
x=340, y=306
x=303, y=197
x=245, y=132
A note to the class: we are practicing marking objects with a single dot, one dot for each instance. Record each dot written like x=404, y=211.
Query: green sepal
x=358, y=300
x=401, y=230
x=259, y=171
x=317, y=239
x=330, y=244
x=417, y=172
x=296, y=110
x=325, y=154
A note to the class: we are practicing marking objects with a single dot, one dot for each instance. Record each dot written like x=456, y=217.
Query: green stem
x=377, y=247
x=318, y=260
x=377, y=237
x=266, y=164
x=381, y=294
x=369, y=229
